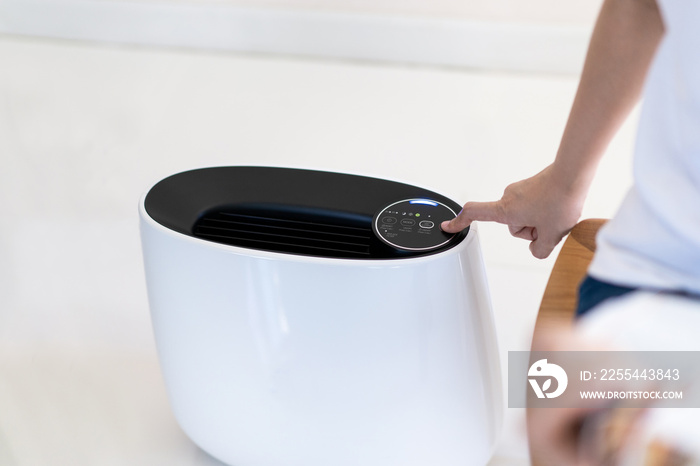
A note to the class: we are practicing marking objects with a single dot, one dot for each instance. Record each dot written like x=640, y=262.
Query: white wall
x=560, y=12
x=540, y=36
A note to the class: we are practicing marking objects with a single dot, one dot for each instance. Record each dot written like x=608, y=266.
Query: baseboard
x=425, y=41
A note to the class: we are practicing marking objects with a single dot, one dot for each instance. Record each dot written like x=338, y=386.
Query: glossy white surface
x=349, y=362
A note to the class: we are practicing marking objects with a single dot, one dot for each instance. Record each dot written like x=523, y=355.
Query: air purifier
x=309, y=318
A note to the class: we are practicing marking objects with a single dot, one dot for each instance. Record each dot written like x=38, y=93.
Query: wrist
x=570, y=178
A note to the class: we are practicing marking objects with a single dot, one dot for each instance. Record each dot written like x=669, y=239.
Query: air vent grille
x=277, y=231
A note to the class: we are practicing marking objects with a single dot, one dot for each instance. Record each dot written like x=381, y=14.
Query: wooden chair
x=561, y=294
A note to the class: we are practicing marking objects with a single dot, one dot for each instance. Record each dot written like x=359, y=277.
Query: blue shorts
x=592, y=292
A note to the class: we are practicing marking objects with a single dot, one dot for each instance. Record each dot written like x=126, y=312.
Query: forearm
x=623, y=44
x=544, y=208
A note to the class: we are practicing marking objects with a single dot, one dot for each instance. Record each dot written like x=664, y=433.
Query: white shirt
x=654, y=239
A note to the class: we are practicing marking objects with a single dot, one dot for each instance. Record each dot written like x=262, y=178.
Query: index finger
x=480, y=211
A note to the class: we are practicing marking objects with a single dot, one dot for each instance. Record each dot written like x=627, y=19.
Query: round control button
x=426, y=213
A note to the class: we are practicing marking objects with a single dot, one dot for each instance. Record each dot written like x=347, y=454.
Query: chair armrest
x=561, y=294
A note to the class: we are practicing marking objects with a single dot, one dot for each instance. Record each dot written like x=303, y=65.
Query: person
x=653, y=241
x=639, y=48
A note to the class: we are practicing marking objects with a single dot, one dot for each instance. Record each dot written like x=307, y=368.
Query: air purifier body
x=307, y=318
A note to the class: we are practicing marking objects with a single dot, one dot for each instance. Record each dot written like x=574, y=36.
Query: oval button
x=408, y=222
x=389, y=220
x=426, y=224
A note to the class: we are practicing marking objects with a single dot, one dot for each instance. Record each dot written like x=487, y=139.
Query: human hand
x=541, y=209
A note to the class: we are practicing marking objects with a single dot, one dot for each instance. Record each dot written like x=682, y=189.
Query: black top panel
x=288, y=210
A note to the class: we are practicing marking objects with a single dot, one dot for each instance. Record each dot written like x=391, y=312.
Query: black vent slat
x=301, y=228
x=315, y=226
x=276, y=231
x=234, y=233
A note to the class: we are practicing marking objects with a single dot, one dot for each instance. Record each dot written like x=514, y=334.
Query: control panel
x=413, y=224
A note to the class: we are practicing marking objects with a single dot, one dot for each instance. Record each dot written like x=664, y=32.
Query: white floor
x=85, y=129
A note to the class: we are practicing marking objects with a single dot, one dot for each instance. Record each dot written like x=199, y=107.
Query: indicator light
x=423, y=201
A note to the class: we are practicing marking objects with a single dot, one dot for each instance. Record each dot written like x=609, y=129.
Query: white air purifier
x=307, y=318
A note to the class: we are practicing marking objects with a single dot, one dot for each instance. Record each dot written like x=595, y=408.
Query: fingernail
x=445, y=224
